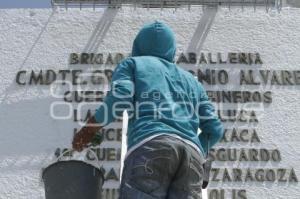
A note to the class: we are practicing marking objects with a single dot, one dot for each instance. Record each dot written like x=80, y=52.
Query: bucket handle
x=68, y=151
x=89, y=150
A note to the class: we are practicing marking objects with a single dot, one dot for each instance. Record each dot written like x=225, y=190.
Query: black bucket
x=72, y=179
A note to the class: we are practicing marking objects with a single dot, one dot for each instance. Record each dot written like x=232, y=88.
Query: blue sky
x=25, y=3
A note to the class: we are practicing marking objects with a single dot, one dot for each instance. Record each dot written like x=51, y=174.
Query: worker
x=166, y=107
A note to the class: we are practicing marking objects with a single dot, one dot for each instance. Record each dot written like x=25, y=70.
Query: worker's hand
x=80, y=141
x=85, y=135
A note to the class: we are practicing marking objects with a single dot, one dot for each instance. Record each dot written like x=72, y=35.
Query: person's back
x=163, y=97
x=165, y=100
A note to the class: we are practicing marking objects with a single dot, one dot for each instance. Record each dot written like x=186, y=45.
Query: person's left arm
x=119, y=98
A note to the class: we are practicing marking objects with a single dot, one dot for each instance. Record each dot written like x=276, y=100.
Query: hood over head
x=155, y=39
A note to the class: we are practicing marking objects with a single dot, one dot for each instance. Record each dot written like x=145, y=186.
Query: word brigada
x=182, y=58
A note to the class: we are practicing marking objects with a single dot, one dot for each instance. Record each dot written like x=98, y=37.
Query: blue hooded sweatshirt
x=159, y=96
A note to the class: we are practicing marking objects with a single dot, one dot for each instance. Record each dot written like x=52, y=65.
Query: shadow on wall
x=293, y=3
x=202, y=29
x=13, y=85
x=35, y=120
x=91, y=46
x=100, y=30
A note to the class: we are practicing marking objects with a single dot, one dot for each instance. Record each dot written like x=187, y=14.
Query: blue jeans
x=162, y=168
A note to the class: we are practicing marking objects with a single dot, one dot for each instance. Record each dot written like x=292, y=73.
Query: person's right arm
x=210, y=125
x=119, y=98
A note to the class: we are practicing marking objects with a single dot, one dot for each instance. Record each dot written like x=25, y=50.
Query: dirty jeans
x=163, y=168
